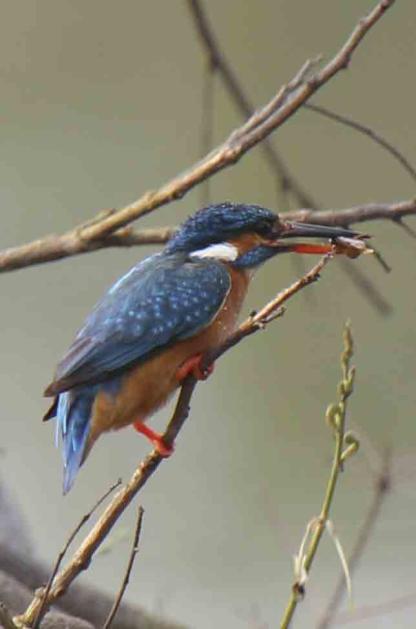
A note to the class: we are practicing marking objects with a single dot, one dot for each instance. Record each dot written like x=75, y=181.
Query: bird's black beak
x=306, y=230
x=342, y=240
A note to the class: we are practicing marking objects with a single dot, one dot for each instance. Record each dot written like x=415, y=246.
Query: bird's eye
x=264, y=227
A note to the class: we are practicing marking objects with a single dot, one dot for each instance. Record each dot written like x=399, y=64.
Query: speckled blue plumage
x=218, y=223
x=165, y=298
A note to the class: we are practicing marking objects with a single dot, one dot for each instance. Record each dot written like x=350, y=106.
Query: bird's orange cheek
x=246, y=242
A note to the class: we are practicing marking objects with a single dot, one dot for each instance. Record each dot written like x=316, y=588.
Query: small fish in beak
x=342, y=240
x=351, y=247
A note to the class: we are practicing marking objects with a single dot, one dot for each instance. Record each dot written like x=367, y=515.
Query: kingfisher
x=154, y=325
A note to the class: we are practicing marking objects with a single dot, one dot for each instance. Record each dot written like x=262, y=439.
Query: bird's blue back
x=163, y=299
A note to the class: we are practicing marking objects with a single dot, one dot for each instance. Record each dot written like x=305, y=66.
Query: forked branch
x=110, y=228
x=219, y=63
x=83, y=556
x=345, y=445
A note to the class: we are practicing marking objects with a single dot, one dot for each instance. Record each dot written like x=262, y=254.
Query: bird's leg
x=154, y=437
x=193, y=366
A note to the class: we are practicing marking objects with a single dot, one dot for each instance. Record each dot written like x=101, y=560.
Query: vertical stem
x=336, y=417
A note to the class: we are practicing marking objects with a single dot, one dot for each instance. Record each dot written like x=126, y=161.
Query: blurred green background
x=101, y=101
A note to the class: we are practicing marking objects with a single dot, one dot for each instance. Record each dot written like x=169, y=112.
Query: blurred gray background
x=101, y=101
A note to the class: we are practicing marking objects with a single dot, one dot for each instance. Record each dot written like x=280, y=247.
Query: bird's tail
x=73, y=414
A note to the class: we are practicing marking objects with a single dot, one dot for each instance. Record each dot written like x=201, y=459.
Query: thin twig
x=382, y=487
x=133, y=553
x=207, y=123
x=266, y=314
x=104, y=229
x=365, y=130
x=375, y=611
x=6, y=619
x=83, y=556
x=409, y=230
x=344, y=447
x=43, y=593
x=217, y=60
x=287, y=182
x=394, y=212
x=367, y=288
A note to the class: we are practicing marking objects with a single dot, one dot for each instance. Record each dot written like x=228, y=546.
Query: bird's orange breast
x=147, y=386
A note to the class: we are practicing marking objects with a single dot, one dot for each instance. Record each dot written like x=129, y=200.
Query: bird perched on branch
x=153, y=326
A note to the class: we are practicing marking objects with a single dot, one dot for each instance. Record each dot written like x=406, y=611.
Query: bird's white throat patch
x=220, y=251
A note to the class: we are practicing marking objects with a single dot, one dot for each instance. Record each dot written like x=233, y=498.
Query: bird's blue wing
x=160, y=300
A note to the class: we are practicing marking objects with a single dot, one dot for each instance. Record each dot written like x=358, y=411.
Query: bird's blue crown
x=218, y=223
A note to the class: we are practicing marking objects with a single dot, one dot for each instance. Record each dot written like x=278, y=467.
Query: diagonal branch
x=394, y=212
x=219, y=63
x=367, y=288
x=83, y=556
x=133, y=553
x=365, y=130
x=65, y=548
x=109, y=228
x=71, y=243
x=378, y=610
x=57, y=247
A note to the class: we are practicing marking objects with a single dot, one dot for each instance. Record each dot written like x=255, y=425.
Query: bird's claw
x=155, y=438
x=192, y=366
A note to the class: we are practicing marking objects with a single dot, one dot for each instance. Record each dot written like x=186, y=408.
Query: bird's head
x=244, y=235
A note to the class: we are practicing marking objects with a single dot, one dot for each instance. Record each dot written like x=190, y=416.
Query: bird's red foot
x=193, y=366
x=155, y=438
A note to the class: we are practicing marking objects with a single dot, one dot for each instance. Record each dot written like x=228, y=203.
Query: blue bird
x=152, y=327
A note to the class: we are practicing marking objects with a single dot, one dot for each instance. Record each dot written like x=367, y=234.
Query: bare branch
x=345, y=445
x=44, y=593
x=83, y=556
x=133, y=553
x=21, y=575
x=382, y=488
x=5, y=618
x=394, y=212
x=287, y=184
x=218, y=61
x=365, y=130
x=376, y=611
x=57, y=247
x=367, y=288
x=261, y=318
x=409, y=230
x=106, y=228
